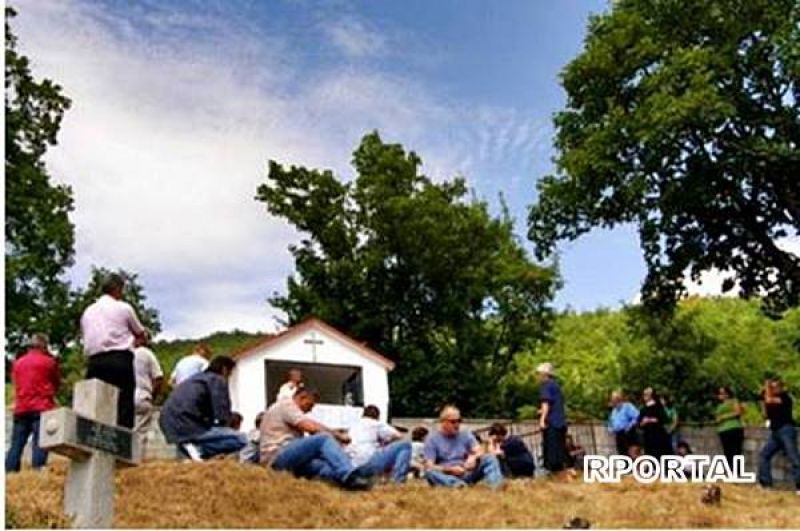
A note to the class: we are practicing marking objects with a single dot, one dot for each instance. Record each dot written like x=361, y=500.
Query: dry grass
x=226, y=494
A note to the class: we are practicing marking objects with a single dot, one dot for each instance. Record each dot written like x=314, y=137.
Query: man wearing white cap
x=552, y=419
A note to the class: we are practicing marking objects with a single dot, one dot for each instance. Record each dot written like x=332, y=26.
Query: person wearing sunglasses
x=453, y=458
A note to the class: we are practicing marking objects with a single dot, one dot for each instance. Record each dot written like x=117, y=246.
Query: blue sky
x=177, y=106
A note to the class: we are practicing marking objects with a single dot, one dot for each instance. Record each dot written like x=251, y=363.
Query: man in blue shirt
x=552, y=419
x=622, y=422
x=453, y=458
x=197, y=414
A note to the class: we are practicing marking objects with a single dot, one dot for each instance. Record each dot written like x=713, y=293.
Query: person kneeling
x=454, y=458
x=320, y=455
x=197, y=414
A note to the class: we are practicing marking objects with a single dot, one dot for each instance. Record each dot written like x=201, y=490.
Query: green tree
x=682, y=117
x=39, y=234
x=415, y=269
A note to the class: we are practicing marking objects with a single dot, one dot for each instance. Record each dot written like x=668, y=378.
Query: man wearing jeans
x=552, y=420
x=36, y=379
x=782, y=436
x=319, y=455
x=377, y=447
x=454, y=458
x=197, y=414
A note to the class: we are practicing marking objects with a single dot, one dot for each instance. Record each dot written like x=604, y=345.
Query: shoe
x=356, y=481
x=193, y=452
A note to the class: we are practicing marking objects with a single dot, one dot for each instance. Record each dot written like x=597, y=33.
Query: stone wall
x=593, y=436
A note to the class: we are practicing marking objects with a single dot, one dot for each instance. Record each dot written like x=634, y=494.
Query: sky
x=178, y=106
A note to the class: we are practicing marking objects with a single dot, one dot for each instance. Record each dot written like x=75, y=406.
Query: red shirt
x=36, y=379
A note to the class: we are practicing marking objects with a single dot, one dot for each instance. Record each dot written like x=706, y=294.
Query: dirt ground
x=229, y=495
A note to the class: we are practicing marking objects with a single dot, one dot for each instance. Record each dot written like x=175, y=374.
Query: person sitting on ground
x=575, y=454
x=418, y=435
x=683, y=449
x=454, y=458
x=249, y=453
x=197, y=414
x=515, y=458
x=319, y=455
x=378, y=448
x=293, y=383
x=191, y=364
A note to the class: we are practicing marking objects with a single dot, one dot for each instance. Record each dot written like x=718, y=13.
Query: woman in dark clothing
x=653, y=421
x=515, y=458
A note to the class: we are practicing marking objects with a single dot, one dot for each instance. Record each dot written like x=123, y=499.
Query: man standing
x=377, y=447
x=622, y=422
x=319, y=455
x=782, y=433
x=197, y=414
x=190, y=365
x=110, y=327
x=149, y=378
x=293, y=383
x=552, y=419
x=36, y=380
x=454, y=458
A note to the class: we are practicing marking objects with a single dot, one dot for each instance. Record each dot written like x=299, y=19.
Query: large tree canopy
x=682, y=117
x=39, y=234
x=416, y=270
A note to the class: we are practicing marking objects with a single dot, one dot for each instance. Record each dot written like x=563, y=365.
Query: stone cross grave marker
x=89, y=436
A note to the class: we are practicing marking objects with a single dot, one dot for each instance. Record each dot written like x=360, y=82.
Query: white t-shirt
x=187, y=367
x=366, y=437
x=286, y=391
x=147, y=368
x=109, y=324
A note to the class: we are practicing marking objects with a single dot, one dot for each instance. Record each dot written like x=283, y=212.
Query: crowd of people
x=197, y=418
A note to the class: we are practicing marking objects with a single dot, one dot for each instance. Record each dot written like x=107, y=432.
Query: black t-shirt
x=779, y=415
x=518, y=457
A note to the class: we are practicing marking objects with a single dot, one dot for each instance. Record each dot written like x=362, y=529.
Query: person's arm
x=475, y=453
x=632, y=416
x=311, y=427
x=134, y=325
x=387, y=434
x=674, y=424
x=220, y=401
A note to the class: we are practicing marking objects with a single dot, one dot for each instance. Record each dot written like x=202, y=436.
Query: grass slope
x=226, y=494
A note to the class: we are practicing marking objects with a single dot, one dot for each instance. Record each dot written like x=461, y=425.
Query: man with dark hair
x=777, y=407
x=319, y=455
x=377, y=447
x=110, y=328
x=197, y=414
x=515, y=458
x=36, y=378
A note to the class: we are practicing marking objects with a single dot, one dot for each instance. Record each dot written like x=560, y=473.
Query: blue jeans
x=219, y=440
x=395, y=457
x=25, y=425
x=488, y=469
x=784, y=438
x=316, y=456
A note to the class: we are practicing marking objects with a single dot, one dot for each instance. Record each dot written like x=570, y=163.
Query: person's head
x=666, y=400
x=450, y=420
x=617, y=397
x=372, y=412
x=258, y=419
x=295, y=376
x=775, y=384
x=113, y=285
x=306, y=398
x=497, y=432
x=724, y=393
x=419, y=433
x=222, y=365
x=39, y=341
x=683, y=449
x=634, y=451
x=649, y=395
x=203, y=350
x=236, y=420
x=544, y=371
x=142, y=340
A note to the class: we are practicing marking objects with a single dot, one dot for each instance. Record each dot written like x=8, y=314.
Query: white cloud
x=353, y=38
x=174, y=116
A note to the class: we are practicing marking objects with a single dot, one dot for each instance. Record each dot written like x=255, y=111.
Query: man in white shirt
x=188, y=366
x=149, y=378
x=377, y=448
x=109, y=328
x=288, y=389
